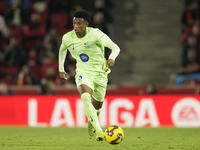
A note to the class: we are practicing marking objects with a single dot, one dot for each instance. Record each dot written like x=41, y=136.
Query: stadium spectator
x=16, y=15
x=45, y=89
x=40, y=7
x=192, y=64
x=51, y=76
x=190, y=70
x=151, y=89
x=191, y=44
x=46, y=62
x=190, y=14
x=25, y=3
x=4, y=89
x=26, y=77
x=48, y=50
x=33, y=60
x=194, y=30
x=100, y=5
x=34, y=32
x=35, y=28
x=52, y=36
x=4, y=33
x=14, y=53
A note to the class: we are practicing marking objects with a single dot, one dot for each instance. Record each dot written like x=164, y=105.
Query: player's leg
x=98, y=97
x=86, y=92
x=97, y=105
x=85, y=87
x=99, y=92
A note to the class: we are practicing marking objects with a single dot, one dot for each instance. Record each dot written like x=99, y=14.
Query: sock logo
x=91, y=119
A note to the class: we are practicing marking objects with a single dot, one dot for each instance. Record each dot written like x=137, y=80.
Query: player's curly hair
x=82, y=14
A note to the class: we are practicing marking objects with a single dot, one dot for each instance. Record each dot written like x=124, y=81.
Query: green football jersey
x=87, y=51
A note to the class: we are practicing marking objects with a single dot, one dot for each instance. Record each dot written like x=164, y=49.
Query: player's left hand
x=110, y=63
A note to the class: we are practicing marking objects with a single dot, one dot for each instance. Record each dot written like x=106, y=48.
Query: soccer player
x=86, y=46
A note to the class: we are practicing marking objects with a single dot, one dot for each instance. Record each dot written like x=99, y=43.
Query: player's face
x=80, y=26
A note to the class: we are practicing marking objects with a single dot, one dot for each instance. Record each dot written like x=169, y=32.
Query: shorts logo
x=84, y=57
x=80, y=77
x=86, y=45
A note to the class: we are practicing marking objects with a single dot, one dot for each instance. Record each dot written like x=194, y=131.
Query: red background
x=14, y=109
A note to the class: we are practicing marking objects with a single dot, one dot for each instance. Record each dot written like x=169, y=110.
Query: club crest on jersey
x=84, y=57
x=86, y=45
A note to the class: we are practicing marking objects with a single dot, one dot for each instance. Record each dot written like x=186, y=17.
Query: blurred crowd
x=30, y=36
x=189, y=73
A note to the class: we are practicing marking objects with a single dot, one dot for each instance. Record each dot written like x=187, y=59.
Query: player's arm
x=103, y=39
x=61, y=60
x=114, y=53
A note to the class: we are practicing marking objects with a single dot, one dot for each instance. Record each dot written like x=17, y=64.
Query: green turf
x=63, y=138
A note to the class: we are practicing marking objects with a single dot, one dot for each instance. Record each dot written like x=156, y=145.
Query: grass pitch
x=65, y=138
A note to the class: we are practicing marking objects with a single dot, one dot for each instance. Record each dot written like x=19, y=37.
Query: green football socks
x=90, y=111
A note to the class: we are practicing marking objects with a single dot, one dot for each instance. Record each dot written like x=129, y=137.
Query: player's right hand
x=110, y=63
x=63, y=75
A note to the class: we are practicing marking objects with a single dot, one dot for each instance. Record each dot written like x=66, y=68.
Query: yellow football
x=114, y=134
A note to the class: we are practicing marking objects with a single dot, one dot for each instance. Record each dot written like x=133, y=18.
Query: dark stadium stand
x=132, y=67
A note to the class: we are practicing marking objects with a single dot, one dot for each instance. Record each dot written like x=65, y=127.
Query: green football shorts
x=97, y=82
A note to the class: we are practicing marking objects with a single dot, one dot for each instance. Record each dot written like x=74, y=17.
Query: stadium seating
x=59, y=20
x=10, y=73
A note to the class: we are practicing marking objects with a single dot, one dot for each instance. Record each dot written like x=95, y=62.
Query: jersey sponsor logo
x=84, y=57
x=86, y=45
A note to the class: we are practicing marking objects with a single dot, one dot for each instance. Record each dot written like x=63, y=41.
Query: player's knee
x=86, y=97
